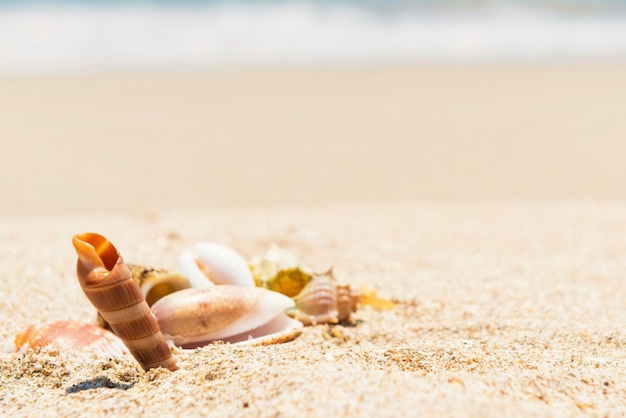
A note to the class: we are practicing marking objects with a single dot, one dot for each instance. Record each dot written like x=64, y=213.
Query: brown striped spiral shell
x=108, y=284
x=154, y=284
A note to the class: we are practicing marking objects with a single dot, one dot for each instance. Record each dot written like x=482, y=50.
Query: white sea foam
x=119, y=38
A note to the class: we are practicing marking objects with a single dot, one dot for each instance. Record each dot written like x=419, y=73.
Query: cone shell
x=324, y=301
x=194, y=317
x=108, y=283
x=72, y=337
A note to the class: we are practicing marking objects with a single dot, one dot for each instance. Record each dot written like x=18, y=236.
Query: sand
x=132, y=143
x=506, y=265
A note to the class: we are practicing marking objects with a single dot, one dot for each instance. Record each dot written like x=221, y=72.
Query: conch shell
x=194, y=317
x=108, y=284
x=73, y=337
x=323, y=300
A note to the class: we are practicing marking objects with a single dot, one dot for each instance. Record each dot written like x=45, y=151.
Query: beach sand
x=486, y=202
x=158, y=142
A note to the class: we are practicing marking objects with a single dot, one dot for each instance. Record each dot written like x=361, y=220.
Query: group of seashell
x=215, y=295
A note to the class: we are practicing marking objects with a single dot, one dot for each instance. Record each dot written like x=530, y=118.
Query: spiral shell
x=107, y=282
x=72, y=337
x=323, y=300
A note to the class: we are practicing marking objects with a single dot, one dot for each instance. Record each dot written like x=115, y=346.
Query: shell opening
x=97, y=248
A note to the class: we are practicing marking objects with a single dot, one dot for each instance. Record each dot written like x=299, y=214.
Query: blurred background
x=140, y=106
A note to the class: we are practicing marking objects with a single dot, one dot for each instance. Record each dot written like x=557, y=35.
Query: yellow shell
x=281, y=271
x=108, y=284
x=289, y=281
x=156, y=283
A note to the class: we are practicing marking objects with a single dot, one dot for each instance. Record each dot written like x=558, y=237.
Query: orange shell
x=108, y=284
x=73, y=337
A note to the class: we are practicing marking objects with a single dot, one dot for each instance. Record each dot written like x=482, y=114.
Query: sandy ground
x=487, y=202
x=502, y=310
x=158, y=142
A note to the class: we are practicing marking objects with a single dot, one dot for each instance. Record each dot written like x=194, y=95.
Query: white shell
x=188, y=265
x=212, y=263
x=194, y=317
x=280, y=329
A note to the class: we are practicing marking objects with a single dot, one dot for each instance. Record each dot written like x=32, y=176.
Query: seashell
x=107, y=282
x=211, y=263
x=346, y=301
x=281, y=271
x=288, y=281
x=154, y=284
x=74, y=337
x=323, y=300
x=194, y=317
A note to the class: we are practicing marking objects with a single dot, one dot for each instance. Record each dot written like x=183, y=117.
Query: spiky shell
x=347, y=301
x=323, y=300
x=72, y=337
x=211, y=263
x=108, y=283
x=194, y=317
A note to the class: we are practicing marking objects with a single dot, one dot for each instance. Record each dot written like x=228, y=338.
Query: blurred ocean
x=124, y=35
